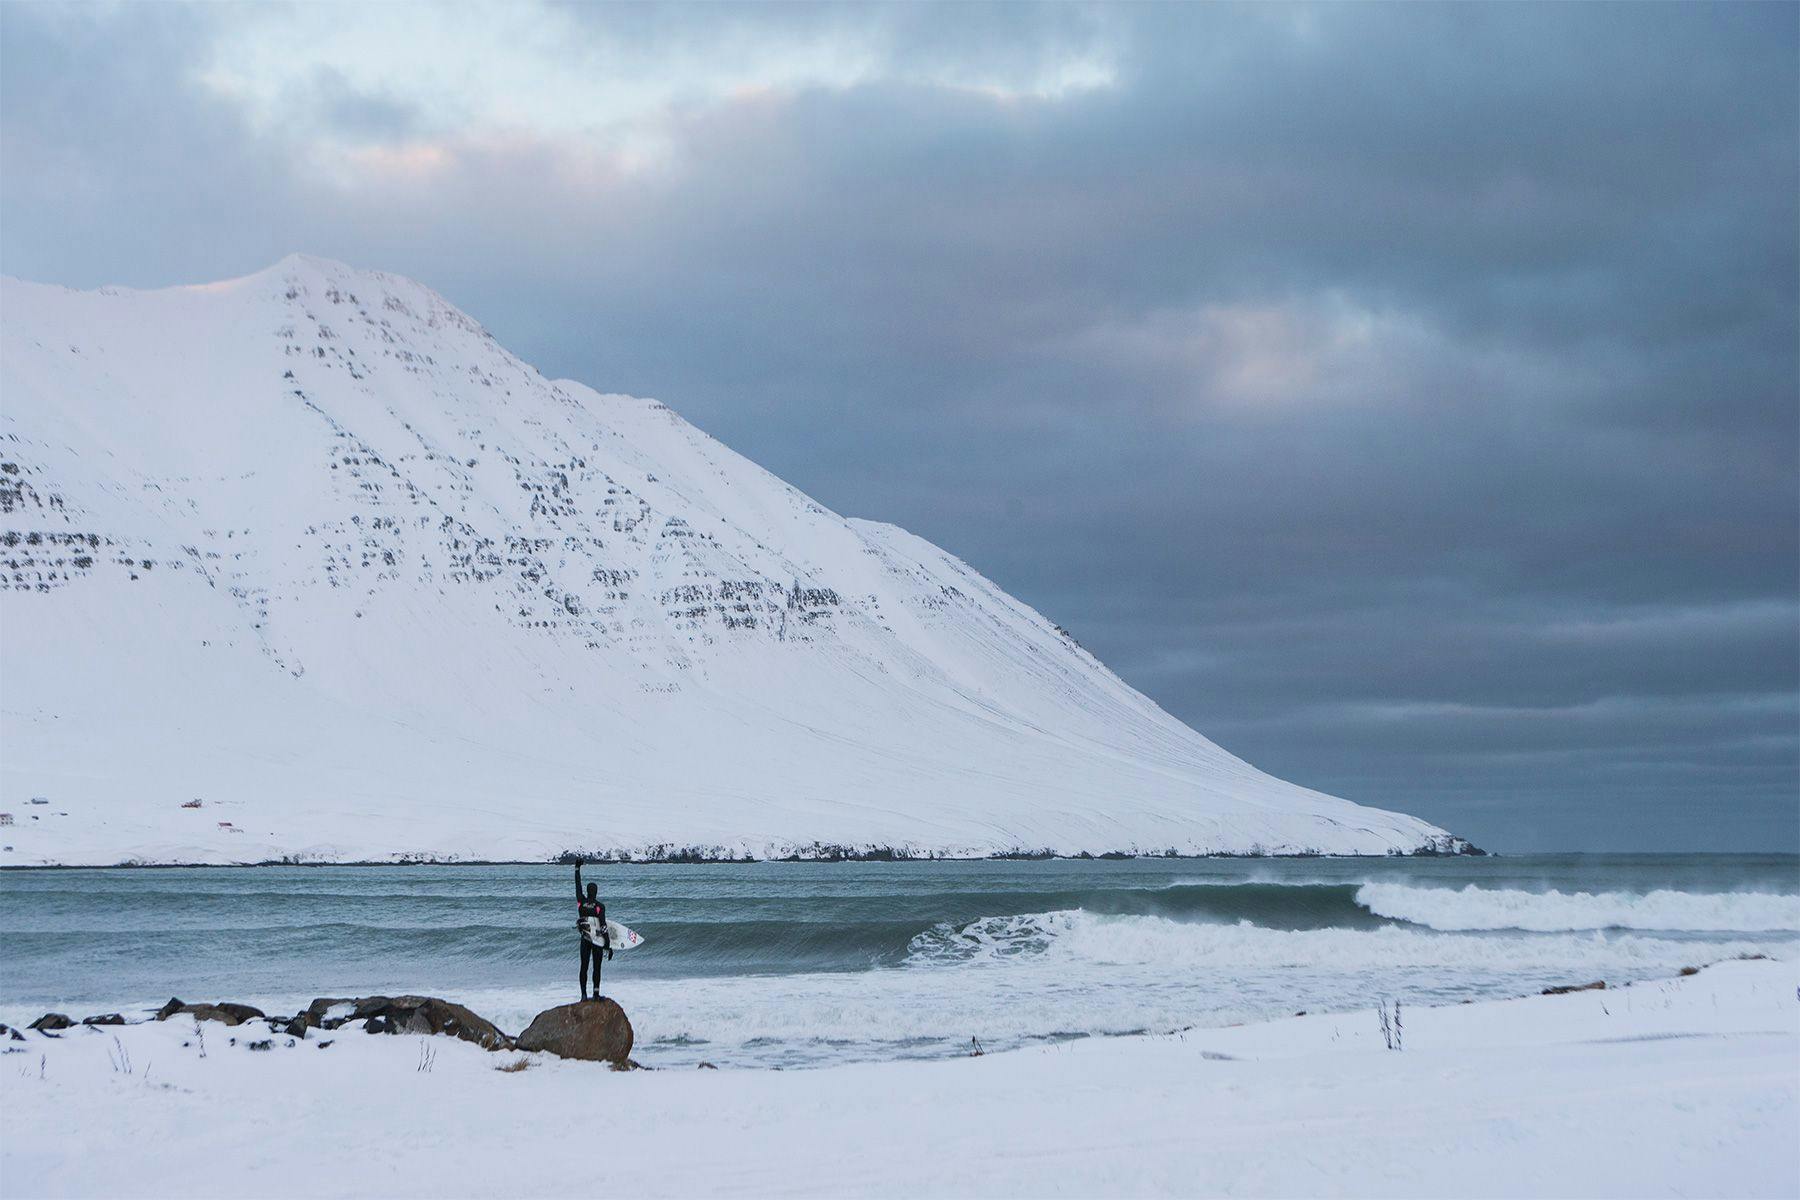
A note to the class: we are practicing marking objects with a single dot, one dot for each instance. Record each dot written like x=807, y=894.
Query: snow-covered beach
x=1685, y=1086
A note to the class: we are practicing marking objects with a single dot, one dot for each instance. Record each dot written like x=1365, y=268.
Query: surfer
x=589, y=906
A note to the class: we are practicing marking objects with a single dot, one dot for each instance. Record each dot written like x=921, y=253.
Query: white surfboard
x=622, y=938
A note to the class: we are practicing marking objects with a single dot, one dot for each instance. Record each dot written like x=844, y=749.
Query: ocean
x=803, y=964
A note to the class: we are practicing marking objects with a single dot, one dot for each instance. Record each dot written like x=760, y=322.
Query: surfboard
x=622, y=938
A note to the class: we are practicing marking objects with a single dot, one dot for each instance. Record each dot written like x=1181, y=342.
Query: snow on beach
x=1687, y=1086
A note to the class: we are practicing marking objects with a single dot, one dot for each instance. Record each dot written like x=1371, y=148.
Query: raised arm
x=578, y=881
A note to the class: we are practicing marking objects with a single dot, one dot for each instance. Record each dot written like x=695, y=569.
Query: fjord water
x=795, y=964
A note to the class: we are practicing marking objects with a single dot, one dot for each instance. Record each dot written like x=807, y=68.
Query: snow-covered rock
x=305, y=564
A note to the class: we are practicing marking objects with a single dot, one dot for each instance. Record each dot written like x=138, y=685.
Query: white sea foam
x=1477, y=908
x=1007, y=979
x=1156, y=942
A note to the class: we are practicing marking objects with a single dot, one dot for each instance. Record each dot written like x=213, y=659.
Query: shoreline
x=682, y=859
x=360, y=863
x=253, y=1016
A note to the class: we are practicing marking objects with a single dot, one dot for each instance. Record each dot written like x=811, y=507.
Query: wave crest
x=1474, y=908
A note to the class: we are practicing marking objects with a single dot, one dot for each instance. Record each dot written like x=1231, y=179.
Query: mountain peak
x=313, y=262
x=315, y=268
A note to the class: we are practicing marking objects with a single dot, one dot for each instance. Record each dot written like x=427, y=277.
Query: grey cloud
x=359, y=115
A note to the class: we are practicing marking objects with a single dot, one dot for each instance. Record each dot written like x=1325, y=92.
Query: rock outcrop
x=402, y=1014
x=1599, y=985
x=224, y=1012
x=50, y=1021
x=594, y=1030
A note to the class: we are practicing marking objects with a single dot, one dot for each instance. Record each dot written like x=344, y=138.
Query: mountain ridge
x=314, y=549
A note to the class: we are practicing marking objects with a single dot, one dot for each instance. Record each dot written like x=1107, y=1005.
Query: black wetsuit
x=585, y=908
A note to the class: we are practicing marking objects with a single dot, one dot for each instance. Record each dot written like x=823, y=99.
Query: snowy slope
x=311, y=547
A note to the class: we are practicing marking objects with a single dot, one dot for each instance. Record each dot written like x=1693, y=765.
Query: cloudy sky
x=1406, y=397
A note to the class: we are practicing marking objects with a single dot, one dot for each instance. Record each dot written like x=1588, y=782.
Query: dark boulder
x=104, y=1019
x=9, y=1031
x=50, y=1021
x=594, y=1030
x=405, y=1014
x=319, y=1014
x=224, y=1012
x=212, y=1012
x=1599, y=985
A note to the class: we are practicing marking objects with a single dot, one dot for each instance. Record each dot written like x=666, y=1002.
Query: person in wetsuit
x=589, y=906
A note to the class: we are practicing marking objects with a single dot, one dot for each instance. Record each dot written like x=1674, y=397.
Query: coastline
x=684, y=858
x=1681, y=1086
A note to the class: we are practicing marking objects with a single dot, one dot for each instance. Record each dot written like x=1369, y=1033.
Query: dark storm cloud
x=1406, y=397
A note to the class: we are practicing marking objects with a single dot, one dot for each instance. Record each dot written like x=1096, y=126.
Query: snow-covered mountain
x=309, y=547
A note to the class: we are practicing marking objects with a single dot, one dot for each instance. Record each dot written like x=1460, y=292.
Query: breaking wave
x=1474, y=908
x=1373, y=906
x=1071, y=937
